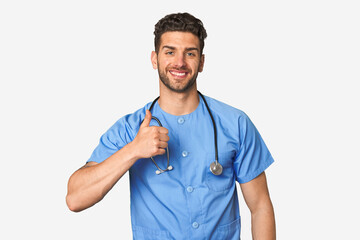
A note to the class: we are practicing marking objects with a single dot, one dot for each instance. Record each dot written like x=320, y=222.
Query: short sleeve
x=110, y=142
x=253, y=157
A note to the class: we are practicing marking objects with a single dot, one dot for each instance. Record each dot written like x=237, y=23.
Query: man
x=180, y=197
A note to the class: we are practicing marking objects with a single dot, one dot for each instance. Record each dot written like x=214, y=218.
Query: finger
x=162, y=144
x=147, y=119
x=163, y=130
x=164, y=137
x=160, y=151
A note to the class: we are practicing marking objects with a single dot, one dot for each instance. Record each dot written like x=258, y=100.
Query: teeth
x=178, y=74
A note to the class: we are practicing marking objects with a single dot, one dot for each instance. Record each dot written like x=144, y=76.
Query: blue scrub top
x=190, y=202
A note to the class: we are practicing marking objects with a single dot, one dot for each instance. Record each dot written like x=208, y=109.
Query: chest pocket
x=225, y=180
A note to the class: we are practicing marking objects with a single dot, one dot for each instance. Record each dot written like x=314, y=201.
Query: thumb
x=147, y=119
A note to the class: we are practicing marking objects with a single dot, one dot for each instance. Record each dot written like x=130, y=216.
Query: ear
x=202, y=60
x=154, y=59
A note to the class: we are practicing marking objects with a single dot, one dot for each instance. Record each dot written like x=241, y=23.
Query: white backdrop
x=70, y=69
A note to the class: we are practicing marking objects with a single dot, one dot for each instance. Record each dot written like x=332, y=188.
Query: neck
x=178, y=103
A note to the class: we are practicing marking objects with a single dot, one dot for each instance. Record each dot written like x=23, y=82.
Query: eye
x=169, y=53
x=190, y=54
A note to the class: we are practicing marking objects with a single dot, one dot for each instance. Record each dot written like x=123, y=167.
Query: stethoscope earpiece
x=168, y=167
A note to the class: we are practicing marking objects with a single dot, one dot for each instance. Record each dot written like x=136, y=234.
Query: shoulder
x=128, y=125
x=224, y=110
x=134, y=119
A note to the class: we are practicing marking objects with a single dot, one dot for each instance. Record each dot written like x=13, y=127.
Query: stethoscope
x=215, y=167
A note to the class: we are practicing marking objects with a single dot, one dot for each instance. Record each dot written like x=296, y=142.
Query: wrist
x=132, y=150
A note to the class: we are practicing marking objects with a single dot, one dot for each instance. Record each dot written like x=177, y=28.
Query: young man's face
x=178, y=60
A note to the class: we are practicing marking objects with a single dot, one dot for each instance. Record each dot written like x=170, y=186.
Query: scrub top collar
x=171, y=117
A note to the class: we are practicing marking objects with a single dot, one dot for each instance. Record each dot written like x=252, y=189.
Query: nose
x=179, y=61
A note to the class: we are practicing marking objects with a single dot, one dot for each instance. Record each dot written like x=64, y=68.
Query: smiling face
x=178, y=60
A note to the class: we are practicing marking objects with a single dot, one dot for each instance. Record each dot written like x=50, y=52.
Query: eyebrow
x=192, y=49
x=187, y=49
x=172, y=48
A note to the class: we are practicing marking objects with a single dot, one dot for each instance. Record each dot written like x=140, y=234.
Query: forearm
x=90, y=184
x=263, y=223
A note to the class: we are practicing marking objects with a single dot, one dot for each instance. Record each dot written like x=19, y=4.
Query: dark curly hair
x=182, y=22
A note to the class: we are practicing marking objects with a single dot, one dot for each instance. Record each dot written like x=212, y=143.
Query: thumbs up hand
x=150, y=140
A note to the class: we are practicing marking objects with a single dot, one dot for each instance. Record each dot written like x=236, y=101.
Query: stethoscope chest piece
x=216, y=168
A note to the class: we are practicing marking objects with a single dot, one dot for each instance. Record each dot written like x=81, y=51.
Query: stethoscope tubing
x=214, y=125
x=169, y=167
